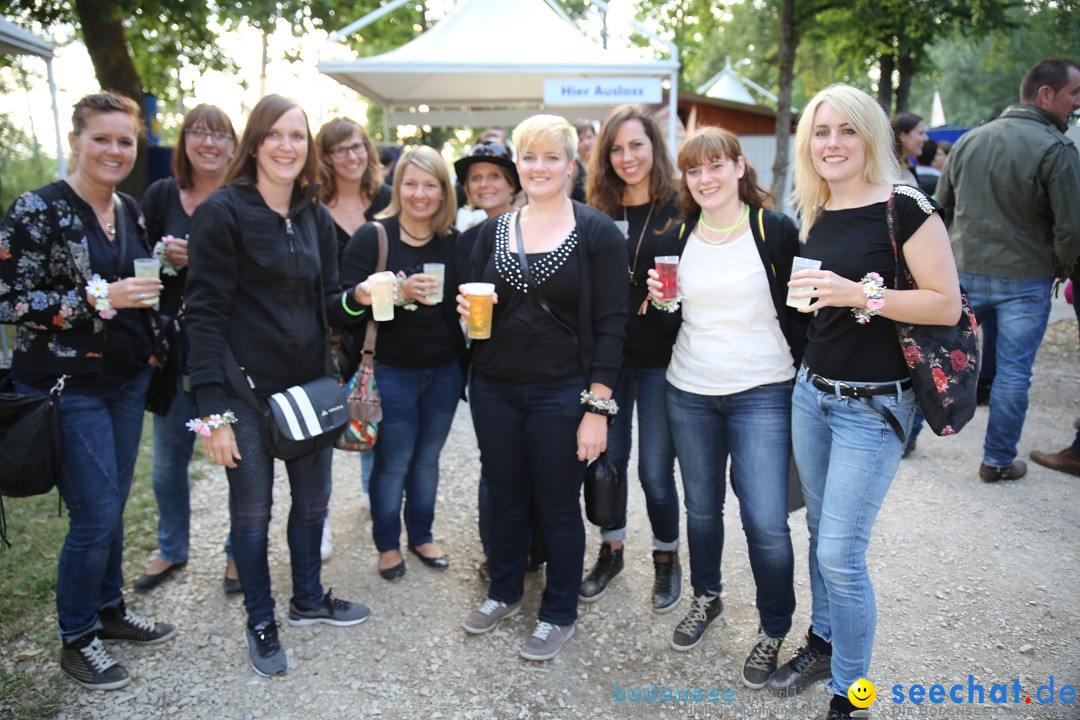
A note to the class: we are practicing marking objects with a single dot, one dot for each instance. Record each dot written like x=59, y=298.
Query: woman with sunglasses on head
x=262, y=294
x=632, y=180
x=420, y=356
x=83, y=323
x=199, y=162
x=853, y=404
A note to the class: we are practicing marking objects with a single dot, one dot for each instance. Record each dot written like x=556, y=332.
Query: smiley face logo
x=862, y=693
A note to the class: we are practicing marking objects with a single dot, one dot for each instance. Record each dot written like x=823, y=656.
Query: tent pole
x=371, y=17
x=61, y=161
x=386, y=124
x=673, y=112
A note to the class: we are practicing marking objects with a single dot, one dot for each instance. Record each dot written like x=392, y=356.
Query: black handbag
x=166, y=375
x=943, y=360
x=605, y=492
x=29, y=444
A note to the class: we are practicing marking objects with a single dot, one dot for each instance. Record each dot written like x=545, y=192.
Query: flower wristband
x=167, y=268
x=204, y=427
x=873, y=287
x=599, y=405
x=98, y=288
x=668, y=306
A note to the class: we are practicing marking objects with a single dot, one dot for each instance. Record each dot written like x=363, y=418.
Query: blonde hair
x=430, y=161
x=545, y=131
x=870, y=123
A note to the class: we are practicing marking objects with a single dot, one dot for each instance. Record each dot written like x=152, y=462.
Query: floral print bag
x=943, y=360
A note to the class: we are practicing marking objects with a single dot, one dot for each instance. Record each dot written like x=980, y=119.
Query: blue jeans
x=251, y=497
x=418, y=409
x=101, y=432
x=847, y=455
x=656, y=453
x=173, y=447
x=1021, y=307
x=528, y=447
x=367, y=464
x=753, y=427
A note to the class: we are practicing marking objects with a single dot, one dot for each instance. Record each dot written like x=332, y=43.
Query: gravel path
x=971, y=579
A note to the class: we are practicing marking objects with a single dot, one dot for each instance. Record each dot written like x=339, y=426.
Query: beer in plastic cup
x=797, y=264
x=437, y=270
x=479, y=295
x=667, y=266
x=148, y=268
x=382, y=296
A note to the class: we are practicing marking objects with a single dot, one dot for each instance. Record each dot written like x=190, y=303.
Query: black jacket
x=264, y=285
x=777, y=240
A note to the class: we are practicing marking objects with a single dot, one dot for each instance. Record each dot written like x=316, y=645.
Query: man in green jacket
x=1011, y=194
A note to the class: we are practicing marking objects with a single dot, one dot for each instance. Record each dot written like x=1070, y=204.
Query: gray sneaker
x=331, y=611
x=761, y=663
x=705, y=609
x=546, y=641
x=267, y=656
x=484, y=618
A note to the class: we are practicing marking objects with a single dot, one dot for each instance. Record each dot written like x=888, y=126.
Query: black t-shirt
x=420, y=338
x=852, y=243
x=527, y=345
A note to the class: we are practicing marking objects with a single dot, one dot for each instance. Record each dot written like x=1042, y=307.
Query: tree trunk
x=103, y=33
x=906, y=66
x=885, y=95
x=789, y=41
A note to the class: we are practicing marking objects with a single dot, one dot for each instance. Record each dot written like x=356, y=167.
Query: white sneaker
x=326, y=548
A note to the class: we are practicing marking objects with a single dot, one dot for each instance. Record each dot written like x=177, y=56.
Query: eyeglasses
x=217, y=135
x=340, y=152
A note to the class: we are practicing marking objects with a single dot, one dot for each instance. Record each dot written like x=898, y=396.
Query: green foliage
x=22, y=167
x=693, y=26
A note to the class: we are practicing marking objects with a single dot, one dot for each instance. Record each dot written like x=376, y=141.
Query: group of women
x=261, y=271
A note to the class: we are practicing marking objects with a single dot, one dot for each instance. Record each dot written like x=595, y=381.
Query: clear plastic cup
x=148, y=268
x=797, y=264
x=667, y=267
x=437, y=270
x=481, y=303
x=382, y=296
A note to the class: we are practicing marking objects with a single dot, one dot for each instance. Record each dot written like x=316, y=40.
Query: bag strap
x=898, y=258
x=121, y=231
x=367, y=354
x=524, y=260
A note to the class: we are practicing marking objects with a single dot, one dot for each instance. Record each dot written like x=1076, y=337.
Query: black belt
x=864, y=393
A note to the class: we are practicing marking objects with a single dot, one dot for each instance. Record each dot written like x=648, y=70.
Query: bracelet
x=668, y=306
x=98, y=287
x=399, y=297
x=873, y=287
x=203, y=427
x=344, y=304
x=167, y=268
x=599, y=405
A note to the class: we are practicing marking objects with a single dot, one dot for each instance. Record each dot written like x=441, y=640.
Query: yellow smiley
x=862, y=693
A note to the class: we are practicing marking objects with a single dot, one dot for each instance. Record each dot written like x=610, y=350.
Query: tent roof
x=488, y=53
x=16, y=41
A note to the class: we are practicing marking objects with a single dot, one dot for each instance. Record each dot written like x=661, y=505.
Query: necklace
x=417, y=239
x=726, y=231
x=644, y=228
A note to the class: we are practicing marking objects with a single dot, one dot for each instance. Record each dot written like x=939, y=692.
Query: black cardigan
x=776, y=249
x=254, y=285
x=602, y=305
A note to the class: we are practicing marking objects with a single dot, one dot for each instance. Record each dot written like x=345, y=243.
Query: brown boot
x=1066, y=461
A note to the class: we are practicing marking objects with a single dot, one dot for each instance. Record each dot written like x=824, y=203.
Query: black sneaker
x=267, y=656
x=120, y=624
x=809, y=666
x=761, y=663
x=667, y=585
x=87, y=662
x=840, y=708
x=331, y=611
x=608, y=565
x=705, y=609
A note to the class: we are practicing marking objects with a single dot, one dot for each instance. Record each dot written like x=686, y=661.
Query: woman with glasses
x=631, y=179
x=420, y=356
x=198, y=163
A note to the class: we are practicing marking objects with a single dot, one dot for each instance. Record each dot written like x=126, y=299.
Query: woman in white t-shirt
x=729, y=382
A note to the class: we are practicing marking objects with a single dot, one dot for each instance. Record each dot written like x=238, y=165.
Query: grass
x=31, y=685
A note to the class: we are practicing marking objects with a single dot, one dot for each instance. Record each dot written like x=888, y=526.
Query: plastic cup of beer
x=797, y=264
x=480, y=297
x=438, y=271
x=382, y=296
x=148, y=268
x=667, y=267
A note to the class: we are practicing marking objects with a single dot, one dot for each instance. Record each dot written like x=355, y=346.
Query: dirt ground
x=972, y=580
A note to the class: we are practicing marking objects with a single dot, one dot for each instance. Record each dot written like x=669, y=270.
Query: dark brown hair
x=1053, y=72
x=242, y=170
x=209, y=117
x=604, y=188
x=336, y=131
x=902, y=123
x=713, y=143
x=104, y=102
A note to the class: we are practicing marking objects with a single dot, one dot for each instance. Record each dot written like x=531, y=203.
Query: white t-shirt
x=730, y=340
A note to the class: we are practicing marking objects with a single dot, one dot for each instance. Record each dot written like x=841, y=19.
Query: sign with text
x=602, y=91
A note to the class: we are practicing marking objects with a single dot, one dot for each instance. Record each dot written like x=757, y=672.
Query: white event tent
x=485, y=64
x=16, y=41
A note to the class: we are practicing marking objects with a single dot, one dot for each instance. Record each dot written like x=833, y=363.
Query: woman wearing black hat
x=490, y=180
